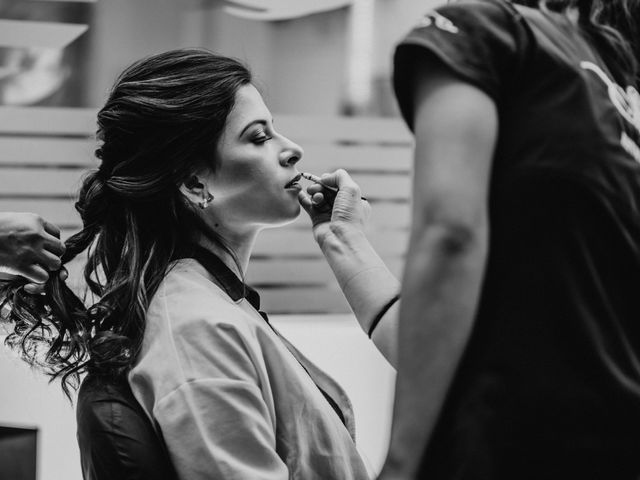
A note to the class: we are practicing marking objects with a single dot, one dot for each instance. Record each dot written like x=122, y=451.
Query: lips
x=293, y=182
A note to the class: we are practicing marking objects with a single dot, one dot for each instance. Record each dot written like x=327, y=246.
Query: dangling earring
x=206, y=198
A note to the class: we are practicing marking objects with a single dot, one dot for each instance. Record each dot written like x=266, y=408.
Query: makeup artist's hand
x=30, y=247
x=335, y=210
x=339, y=215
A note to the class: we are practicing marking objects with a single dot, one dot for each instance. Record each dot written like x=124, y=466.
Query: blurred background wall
x=294, y=59
x=326, y=65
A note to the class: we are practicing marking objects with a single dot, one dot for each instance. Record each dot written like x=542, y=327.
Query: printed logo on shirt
x=627, y=103
x=630, y=146
x=439, y=21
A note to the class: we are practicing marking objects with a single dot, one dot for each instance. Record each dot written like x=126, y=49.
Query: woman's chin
x=288, y=217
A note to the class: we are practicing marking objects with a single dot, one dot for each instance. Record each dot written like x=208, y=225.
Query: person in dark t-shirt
x=520, y=324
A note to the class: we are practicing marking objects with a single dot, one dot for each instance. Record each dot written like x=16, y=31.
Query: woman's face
x=255, y=163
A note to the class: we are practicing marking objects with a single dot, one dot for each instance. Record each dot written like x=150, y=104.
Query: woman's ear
x=196, y=191
x=193, y=189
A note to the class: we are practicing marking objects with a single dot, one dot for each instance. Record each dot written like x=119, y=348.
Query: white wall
x=27, y=400
x=340, y=347
x=334, y=342
x=394, y=19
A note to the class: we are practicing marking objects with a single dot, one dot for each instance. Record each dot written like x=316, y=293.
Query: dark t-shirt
x=549, y=385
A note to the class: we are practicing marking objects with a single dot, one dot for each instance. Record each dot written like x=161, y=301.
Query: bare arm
x=365, y=280
x=456, y=129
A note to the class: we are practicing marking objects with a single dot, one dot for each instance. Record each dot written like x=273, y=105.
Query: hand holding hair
x=30, y=247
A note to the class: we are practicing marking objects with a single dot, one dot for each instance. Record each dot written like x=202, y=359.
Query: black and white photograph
x=319, y=240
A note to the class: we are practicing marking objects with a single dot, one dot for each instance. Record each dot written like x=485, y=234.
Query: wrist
x=381, y=313
x=342, y=236
x=351, y=256
x=369, y=291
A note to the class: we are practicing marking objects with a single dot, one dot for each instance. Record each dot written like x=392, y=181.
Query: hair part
x=160, y=124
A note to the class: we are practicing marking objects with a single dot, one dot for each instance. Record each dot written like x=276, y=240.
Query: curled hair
x=161, y=123
x=613, y=28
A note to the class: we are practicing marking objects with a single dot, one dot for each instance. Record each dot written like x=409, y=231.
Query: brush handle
x=318, y=180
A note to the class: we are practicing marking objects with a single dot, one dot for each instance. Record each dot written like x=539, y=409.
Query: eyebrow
x=261, y=122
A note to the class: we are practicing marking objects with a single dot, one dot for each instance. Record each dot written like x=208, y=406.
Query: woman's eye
x=261, y=138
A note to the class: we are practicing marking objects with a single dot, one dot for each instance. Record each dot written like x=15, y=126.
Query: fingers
x=49, y=261
x=54, y=245
x=52, y=241
x=63, y=274
x=322, y=201
x=38, y=288
x=336, y=199
x=316, y=201
x=51, y=229
x=305, y=201
x=315, y=188
x=35, y=273
x=337, y=186
x=341, y=180
x=34, y=288
x=319, y=212
x=35, y=249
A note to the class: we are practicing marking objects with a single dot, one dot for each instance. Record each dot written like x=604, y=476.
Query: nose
x=291, y=153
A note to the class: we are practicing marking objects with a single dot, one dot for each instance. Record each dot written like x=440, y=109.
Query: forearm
x=441, y=288
x=365, y=280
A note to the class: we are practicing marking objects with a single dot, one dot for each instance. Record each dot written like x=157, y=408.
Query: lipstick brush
x=315, y=179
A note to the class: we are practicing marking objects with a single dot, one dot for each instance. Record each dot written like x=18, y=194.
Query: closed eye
x=261, y=139
x=260, y=136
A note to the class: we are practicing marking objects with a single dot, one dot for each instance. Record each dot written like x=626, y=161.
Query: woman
x=191, y=170
x=519, y=340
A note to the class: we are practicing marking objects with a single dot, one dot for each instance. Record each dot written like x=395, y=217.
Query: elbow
x=450, y=238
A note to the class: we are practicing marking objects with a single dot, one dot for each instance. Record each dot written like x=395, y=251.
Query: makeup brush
x=318, y=180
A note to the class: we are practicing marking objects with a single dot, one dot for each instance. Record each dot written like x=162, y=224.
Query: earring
x=206, y=198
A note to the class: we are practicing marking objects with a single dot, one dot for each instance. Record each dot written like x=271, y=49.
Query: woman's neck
x=240, y=245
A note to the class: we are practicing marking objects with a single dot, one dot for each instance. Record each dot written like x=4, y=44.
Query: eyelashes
x=261, y=137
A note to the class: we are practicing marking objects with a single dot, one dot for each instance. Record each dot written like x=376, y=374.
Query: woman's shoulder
x=189, y=302
x=187, y=283
x=194, y=329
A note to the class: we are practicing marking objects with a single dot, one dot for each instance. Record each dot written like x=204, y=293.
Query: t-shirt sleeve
x=479, y=41
x=219, y=425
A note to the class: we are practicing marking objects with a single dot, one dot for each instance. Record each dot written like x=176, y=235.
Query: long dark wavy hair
x=160, y=124
x=613, y=26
